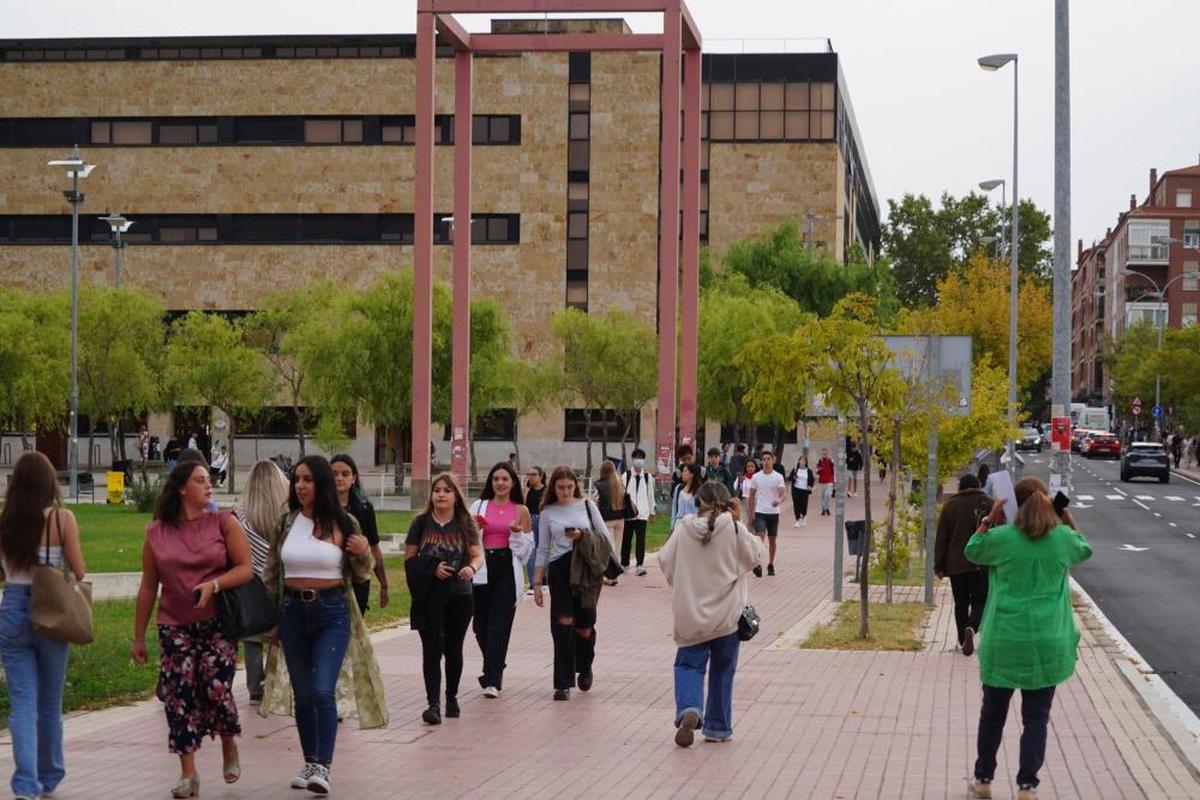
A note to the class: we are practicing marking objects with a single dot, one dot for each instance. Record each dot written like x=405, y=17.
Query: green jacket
x=1028, y=638
x=719, y=475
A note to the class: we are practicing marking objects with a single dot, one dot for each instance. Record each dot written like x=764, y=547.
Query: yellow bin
x=116, y=488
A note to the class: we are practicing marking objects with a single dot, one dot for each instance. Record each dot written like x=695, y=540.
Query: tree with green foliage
x=208, y=360
x=121, y=337
x=34, y=369
x=491, y=382
x=603, y=357
x=926, y=244
x=1136, y=360
x=533, y=387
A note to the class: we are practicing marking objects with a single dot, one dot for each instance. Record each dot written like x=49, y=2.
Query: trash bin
x=125, y=467
x=116, y=488
x=856, y=536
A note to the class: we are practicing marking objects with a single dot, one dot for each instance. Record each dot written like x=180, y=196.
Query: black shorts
x=766, y=523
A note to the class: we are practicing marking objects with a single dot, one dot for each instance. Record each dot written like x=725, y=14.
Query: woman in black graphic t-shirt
x=441, y=554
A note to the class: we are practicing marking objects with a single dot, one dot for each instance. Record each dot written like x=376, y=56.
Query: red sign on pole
x=1060, y=434
x=1136, y=406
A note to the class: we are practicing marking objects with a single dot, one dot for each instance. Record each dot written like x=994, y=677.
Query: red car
x=1102, y=445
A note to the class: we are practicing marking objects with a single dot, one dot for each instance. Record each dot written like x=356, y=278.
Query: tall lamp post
x=991, y=64
x=118, y=225
x=1159, y=324
x=991, y=186
x=76, y=168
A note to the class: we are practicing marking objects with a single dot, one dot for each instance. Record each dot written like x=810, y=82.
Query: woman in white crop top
x=34, y=528
x=316, y=552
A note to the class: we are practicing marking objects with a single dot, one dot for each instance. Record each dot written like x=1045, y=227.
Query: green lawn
x=112, y=536
x=893, y=627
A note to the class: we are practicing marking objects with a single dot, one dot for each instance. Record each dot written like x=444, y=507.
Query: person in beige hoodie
x=707, y=561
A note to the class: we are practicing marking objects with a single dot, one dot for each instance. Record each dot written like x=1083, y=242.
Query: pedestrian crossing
x=1145, y=498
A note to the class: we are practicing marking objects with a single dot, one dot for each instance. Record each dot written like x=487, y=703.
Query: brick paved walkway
x=808, y=724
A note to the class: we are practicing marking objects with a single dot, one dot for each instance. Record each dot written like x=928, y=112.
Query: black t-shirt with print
x=443, y=542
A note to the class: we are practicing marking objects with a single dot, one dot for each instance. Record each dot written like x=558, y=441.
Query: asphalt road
x=1145, y=565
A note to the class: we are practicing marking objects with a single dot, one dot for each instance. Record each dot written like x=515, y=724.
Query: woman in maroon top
x=193, y=554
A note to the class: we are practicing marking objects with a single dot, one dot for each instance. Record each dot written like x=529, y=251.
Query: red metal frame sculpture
x=680, y=46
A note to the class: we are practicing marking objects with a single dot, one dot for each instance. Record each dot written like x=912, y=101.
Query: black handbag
x=748, y=624
x=246, y=610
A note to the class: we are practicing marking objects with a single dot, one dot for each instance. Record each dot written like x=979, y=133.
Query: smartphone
x=195, y=597
x=1061, y=501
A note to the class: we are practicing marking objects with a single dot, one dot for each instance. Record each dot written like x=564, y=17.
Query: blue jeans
x=36, y=669
x=690, y=663
x=315, y=636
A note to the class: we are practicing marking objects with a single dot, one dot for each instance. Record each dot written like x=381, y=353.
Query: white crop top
x=305, y=556
x=26, y=578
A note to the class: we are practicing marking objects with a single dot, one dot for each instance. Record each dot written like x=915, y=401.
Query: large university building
x=251, y=164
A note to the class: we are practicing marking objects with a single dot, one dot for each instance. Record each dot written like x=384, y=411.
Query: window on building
x=1145, y=240
x=1191, y=283
x=268, y=130
x=1189, y=314
x=577, y=289
x=187, y=133
x=577, y=155
x=1183, y=198
x=770, y=111
x=579, y=96
x=579, y=422
x=1191, y=239
x=577, y=254
x=577, y=196
x=333, y=131
x=38, y=133
x=577, y=225
x=578, y=126
x=183, y=229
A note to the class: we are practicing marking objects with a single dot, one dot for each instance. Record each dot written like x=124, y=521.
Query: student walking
x=352, y=499
x=193, y=554
x=442, y=553
x=34, y=529
x=614, y=507
x=317, y=554
x=535, y=487
x=825, y=476
x=683, y=498
x=1029, y=638
x=264, y=501
x=959, y=518
x=574, y=548
x=854, y=465
x=742, y=484
x=706, y=561
x=801, y=480
x=503, y=522
x=715, y=470
x=639, y=487
x=766, y=496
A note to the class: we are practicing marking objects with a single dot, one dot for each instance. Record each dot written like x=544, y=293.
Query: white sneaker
x=796, y=524
x=319, y=782
x=803, y=521
x=491, y=691
x=301, y=780
x=640, y=571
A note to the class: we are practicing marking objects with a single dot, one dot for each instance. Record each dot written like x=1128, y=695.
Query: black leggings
x=800, y=502
x=442, y=637
x=635, y=529
x=495, y=607
x=573, y=653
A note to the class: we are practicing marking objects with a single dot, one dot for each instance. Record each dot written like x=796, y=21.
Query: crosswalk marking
x=1084, y=497
x=1174, y=498
x=1114, y=497
x=1144, y=497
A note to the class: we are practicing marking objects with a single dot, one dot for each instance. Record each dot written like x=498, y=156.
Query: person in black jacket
x=351, y=498
x=854, y=465
x=801, y=480
x=958, y=521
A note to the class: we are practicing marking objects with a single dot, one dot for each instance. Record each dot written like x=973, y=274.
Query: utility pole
x=1060, y=385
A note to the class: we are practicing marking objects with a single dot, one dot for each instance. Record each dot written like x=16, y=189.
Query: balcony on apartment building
x=1144, y=312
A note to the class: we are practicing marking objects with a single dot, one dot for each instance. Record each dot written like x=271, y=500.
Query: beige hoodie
x=709, y=580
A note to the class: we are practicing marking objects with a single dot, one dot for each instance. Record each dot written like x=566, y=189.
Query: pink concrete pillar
x=668, y=242
x=460, y=391
x=689, y=335
x=422, y=355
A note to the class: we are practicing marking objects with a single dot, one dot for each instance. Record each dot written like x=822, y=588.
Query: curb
x=1178, y=721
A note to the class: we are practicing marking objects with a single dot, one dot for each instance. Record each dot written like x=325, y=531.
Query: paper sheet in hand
x=1002, y=489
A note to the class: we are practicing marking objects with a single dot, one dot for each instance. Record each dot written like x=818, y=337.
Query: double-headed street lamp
x=76, y=168
x=1159, y=320
x=1002, y=185
x=118, y=225
x=992, y=63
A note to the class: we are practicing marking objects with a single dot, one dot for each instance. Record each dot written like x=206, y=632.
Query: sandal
x=233, y=769
x=187, y=787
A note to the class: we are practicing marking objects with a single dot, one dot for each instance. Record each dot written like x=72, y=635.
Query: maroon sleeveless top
x=186, y=555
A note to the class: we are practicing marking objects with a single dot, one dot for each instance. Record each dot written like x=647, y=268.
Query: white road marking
x=1140, y=503
x=1157, y=514
x=1174, y=498
x=1114, y=497
x=1118, y=490
x=1191, y=536
x=1084, y=497
x=1145, y=497
x=1172, y=524
x=1131, y=549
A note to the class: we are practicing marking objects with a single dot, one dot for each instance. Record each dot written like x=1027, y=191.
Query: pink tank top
x=499, y=518
x=186, y=555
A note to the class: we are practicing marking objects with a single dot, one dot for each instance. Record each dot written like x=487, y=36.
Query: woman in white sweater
x=706, y=561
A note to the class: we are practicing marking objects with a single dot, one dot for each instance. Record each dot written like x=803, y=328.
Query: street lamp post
x=992, y=63
x=75, y=167
x=1159, y=323
x=118, y=225
x=990, y=186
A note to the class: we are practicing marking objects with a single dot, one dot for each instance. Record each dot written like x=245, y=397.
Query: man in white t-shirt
x=767, y=489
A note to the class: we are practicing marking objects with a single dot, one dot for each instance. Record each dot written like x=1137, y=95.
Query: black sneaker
x=968, y=645
x=432, y=715
x=771, y=569
x=562, y=694
x=452, y=710
x=584, y=682
x=758, y=571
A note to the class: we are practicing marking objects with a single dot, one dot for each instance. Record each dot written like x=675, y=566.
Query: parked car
x=1145, y=459
x=1102, y=445
x=1030, y=439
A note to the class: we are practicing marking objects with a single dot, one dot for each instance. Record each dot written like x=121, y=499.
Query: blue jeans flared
x=720, y=657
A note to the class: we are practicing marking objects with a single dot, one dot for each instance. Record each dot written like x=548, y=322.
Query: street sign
x=1156, y=412
x=1136, y=406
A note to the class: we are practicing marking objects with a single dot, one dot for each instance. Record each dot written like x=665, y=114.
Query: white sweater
x=709, y=580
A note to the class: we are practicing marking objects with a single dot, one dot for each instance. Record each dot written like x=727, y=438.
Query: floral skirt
x=196, y=684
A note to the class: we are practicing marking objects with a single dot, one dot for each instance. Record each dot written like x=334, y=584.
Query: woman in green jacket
x=1028, y=635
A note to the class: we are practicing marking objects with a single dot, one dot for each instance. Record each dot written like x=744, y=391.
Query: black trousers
x=634, y=529
x=442, y=638
x=970, y=595
x=572, y=653
x=1035, y=716
x=800, y=502
x=495, y=607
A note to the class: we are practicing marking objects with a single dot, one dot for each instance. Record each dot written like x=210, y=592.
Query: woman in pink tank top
x=193, y=554
x=505, y=525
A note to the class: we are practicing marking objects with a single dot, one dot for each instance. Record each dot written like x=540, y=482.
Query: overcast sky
x=931, y=120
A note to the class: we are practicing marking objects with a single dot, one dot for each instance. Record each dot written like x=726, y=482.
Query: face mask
x=638, y=463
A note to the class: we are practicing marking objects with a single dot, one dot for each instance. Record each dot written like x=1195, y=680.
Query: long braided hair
x=714, y=500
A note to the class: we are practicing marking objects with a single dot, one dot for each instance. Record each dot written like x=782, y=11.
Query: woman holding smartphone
x=567, y=522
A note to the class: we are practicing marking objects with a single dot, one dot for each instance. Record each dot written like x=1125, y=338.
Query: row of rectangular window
x=579, y=124
x=29, y=229
x=487, y=129
x=754, y=96
x=402, y=50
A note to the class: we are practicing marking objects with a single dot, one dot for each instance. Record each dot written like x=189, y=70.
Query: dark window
x=577, y=289
x=36, y=229
x=579, y=421
x=577, y=254
x=578, y=126
x=497, y=425
x=266, y=228
x=38, y=133
x=333, y=131
x=268, y=130
x=577, y=155
x=579, y=66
